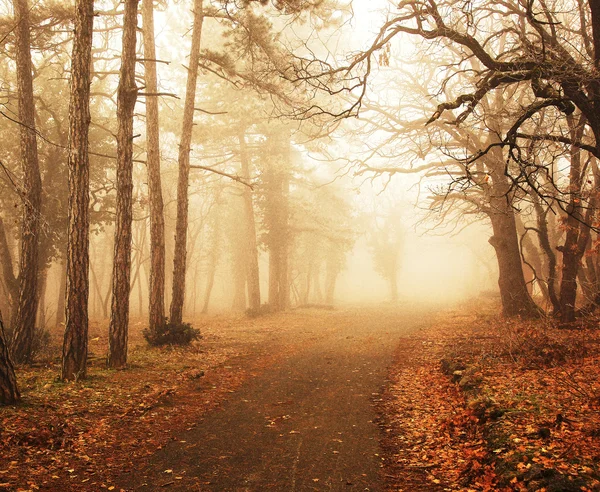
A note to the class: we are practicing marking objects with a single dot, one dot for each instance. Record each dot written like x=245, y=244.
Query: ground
x=370, y=398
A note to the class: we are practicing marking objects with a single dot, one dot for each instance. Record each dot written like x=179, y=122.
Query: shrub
x=172, y=334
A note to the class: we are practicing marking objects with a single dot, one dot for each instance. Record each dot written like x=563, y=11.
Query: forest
x=300, y=245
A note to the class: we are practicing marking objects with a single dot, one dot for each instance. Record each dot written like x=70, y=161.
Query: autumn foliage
x=478, y=402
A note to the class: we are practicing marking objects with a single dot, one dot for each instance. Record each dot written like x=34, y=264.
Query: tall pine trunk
x=180, y=256
x=126, y=97
x=9, y=392
x=252, y=271
x=75, y=343
x=25, y=317
x=276, y=216
x=157, y=219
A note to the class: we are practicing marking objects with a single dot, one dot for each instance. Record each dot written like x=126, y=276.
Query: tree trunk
x=157, y=219
x=75, y=343
x=42, y=284
x=126, y=97
x=252, y=271
x=238, y=268
x=60, y=301
x=9, y=392
x=213, y=256
x=571, y=252
x=516, y=300
x=276, y=217
x=332, y=271
x=179, y=261
x=24, y=321
x=544, y=240
x=10, y=280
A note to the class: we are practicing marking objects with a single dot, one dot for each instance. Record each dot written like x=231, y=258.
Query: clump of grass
x=172, y=334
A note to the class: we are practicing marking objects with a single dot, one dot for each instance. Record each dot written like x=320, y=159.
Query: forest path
x=307, y=422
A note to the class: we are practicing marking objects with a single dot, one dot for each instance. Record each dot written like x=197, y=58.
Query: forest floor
x=477, y=402
x=372, y=398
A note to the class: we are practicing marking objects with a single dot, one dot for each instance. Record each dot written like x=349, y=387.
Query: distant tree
x=252, y=270
x=126, y=99
x=386, y=242
x=74, y=360
x=180, y=253
x=275, y=186
x=23, y=325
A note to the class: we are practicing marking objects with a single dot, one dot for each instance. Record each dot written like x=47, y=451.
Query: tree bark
x=75, y=345
x=179, y=261
x=252, y=269
x=157, y=219
x=126, y=98
x=544, y=239
x=571, y=252
x=10, y=280
x=60, y=301
x=24, y=321
x=516, y=300
x=9, y=391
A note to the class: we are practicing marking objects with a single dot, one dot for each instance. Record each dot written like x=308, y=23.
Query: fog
x=305, y=166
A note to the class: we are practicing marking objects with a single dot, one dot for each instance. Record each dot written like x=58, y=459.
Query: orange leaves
x=530, y=417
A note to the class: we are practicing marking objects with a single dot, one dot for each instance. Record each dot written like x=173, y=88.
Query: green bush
x=172, y=334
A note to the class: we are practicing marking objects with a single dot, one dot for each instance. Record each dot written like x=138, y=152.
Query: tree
x=547, y=52
x=74, y=360
x=180, y=254
x=9, y=392
x=157, y=221
x=276, y=182
x=126, y=98
x=25, y=317
x=387, y=242
x=252, y=270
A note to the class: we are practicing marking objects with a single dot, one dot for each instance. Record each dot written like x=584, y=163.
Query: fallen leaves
x=516, y=409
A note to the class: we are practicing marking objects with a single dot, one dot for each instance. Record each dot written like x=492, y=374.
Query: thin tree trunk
x=126, y=97
x=571, y=252
x=42, y=284
x=239, y=254
x=24, y=324
x=9, y=391
x=179, y=261
x=10, y=280
x=75, y=345
x=157, y=220
x=544, y=239
x=213, y=258
x=252, y=269
x=60, y=301
x=331, y=274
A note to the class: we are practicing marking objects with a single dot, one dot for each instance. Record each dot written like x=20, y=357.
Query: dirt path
x=308, y=422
